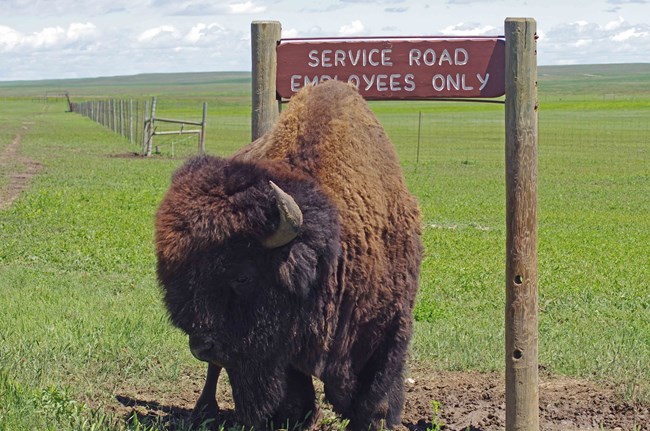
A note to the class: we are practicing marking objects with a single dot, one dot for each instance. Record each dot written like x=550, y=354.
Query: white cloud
x=396, y=9
x=196, y=33
x=246, y=8
x=9, y=38
x=48, y=37
x=466, y=2
x=72, y=7
x=626, y=1
x=372, y=1
x=613, y=25
x=591, y=43
x=469, y=29
x=79, y=30
x=156, y=32
x=201, y=32
x=629, y=34
x=289, y=33
x=354, y=28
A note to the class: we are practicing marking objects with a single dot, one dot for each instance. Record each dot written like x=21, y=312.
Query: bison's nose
x=201, y=346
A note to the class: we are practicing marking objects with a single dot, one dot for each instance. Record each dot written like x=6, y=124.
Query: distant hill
x=574, y=79
x=623, y=79
x=594, y=69
x=133, y=85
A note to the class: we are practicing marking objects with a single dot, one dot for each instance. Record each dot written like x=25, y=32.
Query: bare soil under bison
x=467, y=400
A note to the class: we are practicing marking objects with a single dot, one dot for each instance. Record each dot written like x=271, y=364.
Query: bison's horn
x=290, y=219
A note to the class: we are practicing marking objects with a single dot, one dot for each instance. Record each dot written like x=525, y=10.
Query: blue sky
x=45, y=39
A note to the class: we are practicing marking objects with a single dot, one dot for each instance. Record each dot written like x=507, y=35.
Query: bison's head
x=242, y=249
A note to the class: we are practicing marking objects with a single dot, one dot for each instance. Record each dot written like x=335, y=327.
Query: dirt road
x=16, y=168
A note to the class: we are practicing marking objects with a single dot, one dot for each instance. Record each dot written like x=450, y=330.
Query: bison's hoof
x=204, y=410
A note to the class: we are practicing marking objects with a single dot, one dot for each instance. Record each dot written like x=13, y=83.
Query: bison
x=298, y=256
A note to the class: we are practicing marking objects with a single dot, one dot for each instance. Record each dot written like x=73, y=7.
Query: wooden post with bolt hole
x=265, y=36
x=522, y=386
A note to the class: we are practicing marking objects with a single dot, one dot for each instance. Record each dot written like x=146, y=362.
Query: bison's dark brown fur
x=335, y=302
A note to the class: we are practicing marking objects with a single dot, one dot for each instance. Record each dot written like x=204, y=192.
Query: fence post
x=122, y=117
x=131, y=121
x=113, y=116
x=136, y=134
x=521, y=312
x=145, y=127
x=417, y=155
x=265, y=36
x=151, y=128
x=202, y=135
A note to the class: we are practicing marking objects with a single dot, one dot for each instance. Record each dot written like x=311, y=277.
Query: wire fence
x=422, y=136
x=421, y=133
x=124, y=117
x=139, y=121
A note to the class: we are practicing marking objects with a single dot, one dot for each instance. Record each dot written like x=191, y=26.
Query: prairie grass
x=80, y=312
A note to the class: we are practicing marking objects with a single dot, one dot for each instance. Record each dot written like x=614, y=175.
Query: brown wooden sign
x=421, y=68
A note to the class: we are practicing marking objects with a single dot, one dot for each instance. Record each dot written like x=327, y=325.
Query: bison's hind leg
x=379, y=398
x=298, y=409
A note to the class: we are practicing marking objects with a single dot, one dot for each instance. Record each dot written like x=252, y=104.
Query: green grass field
x=80, y=312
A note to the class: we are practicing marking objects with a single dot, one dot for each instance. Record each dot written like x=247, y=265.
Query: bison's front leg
x=273, y=396
x=206, y=406
x=298, y=409
x=257, y=391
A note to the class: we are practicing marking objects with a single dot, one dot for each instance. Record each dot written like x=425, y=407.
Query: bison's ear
x=299, y=270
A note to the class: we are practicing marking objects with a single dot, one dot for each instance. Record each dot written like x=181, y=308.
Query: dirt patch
x=476, y=401
x=467, y=402
x=17, y=168
x=154, y=156
x=131, y=155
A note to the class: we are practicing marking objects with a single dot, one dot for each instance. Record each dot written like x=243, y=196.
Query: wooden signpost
x=522, y=388
x=440, y=68
x=265, y=35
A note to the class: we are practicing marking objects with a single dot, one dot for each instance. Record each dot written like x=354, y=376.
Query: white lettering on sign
x=340, y=57
x=430, y=58
x=379, y=82
x=450, y=82
x=484, y=80
x=394, y=82
x=389, y=70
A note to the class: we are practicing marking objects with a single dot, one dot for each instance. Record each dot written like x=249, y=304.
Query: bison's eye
x=242, y=284
x=242, y=279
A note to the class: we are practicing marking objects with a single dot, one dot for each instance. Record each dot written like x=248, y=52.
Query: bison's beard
x=257, y=390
